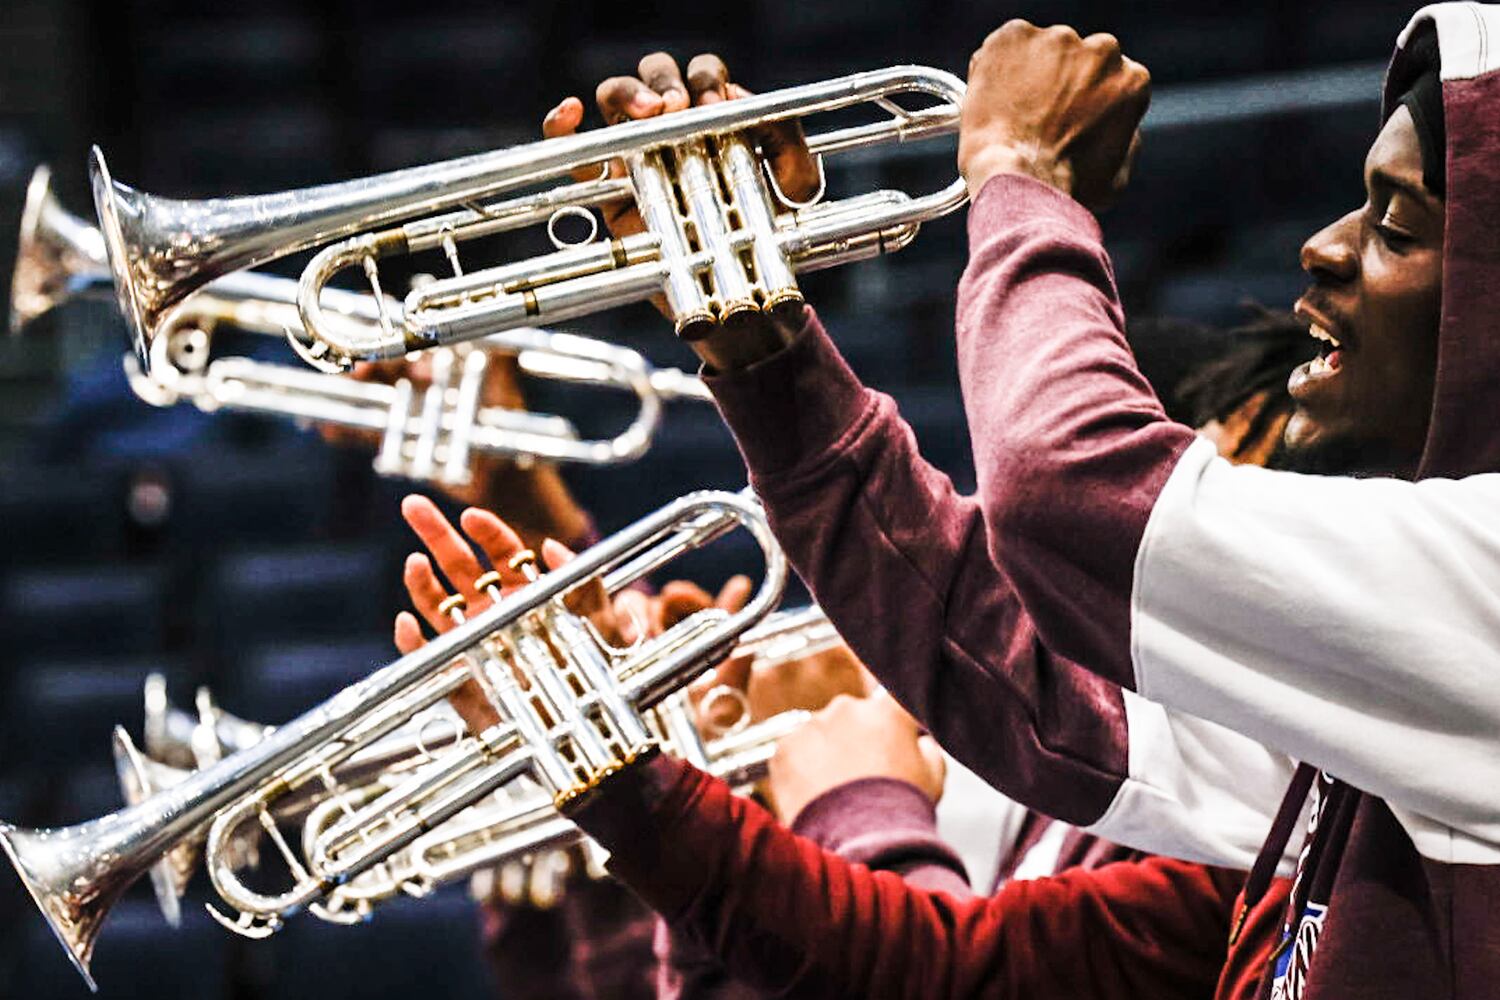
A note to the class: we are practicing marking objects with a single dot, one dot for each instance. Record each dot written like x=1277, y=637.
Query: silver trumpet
x=569, y=708
x=195, y=739
x=429, y=434
x=177, y=743
x=516, y=826
x=720, y=239
x=515, y=823
x=520, y=823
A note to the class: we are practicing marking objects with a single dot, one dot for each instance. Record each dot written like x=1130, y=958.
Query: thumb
x=937, y=765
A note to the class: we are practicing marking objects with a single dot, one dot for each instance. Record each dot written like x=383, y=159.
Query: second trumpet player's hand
x=459, y=563
x=661, y=88
x=1048, y=104
x=851, y=739
x=619, y=620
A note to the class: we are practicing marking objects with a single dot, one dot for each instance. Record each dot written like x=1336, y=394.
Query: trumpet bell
x=140, y=778
x=129, y=253
x=72, y=887
x=30, y=281
x=57, y=255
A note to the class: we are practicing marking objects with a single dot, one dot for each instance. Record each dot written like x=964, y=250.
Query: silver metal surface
x=520, y=820
x=432, y=437
x=579, y=717
x=75, y=874
x=161, y=250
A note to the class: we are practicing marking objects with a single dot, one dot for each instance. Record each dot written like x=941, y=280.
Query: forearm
x=871, y=527
x=1071, y=446
x=886, y=825
x=789, y=918
x=882, y=823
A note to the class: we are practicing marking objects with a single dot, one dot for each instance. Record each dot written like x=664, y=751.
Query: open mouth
x=1330, y=351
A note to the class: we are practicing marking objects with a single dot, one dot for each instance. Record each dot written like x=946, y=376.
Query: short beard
x=1359, y=459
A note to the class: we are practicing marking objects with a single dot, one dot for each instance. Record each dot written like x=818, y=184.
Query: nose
x=1331, y=255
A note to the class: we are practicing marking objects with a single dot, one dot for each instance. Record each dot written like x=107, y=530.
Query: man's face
x=1375, y=302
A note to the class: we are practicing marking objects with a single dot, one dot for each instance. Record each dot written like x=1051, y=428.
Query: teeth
x=1321, y=334
x=1319, y=366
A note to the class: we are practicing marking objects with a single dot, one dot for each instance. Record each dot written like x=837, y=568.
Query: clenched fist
x=1048, y=104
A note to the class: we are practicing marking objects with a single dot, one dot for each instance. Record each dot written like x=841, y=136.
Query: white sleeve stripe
x=1195, y=790
x=1354, y=624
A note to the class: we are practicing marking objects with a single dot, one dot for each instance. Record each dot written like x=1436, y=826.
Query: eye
x=1391, y=234
x=1394, y=238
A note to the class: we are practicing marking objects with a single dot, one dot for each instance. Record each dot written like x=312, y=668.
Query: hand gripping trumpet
x=720, y=238
x=429, y=433
x=518, y=823
x=569, y=706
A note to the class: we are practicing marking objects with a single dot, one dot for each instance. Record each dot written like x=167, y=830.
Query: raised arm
x=1329, y=618
x=904, y=566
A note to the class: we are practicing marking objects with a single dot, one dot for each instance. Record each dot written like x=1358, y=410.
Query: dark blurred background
x=241, y=553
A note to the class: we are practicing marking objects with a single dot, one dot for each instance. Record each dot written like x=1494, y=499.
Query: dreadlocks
x=1261, y=355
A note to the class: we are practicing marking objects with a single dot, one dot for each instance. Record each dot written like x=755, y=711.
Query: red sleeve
x=789, y=918
x=882, y=823
x=1071, y=446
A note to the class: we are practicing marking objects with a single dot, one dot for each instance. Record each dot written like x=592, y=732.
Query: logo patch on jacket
x=1293, y=961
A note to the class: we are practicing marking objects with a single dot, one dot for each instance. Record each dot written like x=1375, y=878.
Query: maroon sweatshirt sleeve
x=792, y=919
x=881, y=823
x=1071, y=446
x=900, y=561
x=886, y=825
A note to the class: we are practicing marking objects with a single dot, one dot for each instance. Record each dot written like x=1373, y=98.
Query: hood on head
x=1464, y=436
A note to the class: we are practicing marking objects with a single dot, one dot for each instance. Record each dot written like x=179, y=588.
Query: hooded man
x=1019, y=625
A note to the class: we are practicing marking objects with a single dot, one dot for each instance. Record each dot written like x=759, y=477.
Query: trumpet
x=569, y=710
x=721, y=239
x=513, y=827
x=185, y=739
x=177, y=743
x=509, y=827
x=59, y=256
x=516, y=827
x=429, y=434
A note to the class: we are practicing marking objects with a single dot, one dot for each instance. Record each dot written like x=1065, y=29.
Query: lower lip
x=1314, y=375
